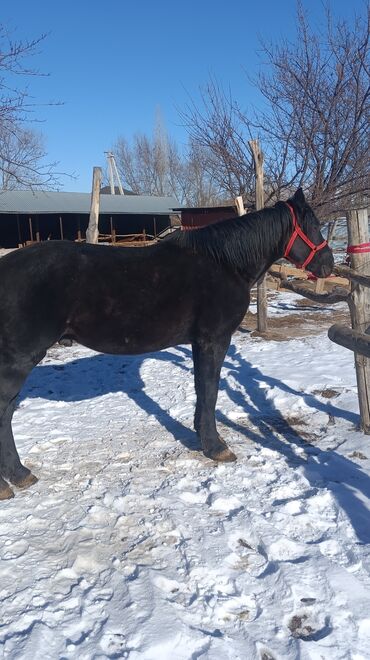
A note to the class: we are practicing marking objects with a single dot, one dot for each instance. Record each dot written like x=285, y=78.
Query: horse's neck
x=247, y=244
x=267, y=233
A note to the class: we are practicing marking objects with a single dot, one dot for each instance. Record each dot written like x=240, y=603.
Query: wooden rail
x=282, y=272
x=353, y=275
x=355, y=341
x=338, y=293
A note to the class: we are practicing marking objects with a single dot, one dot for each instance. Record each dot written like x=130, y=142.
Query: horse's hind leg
x=208, y=358
x=5, y=491
x=11, y=468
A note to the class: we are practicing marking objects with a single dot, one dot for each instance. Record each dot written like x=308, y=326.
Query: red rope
x=297, y=231
x=361, y=248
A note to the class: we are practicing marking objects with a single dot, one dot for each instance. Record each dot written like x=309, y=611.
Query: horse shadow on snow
x=86, y=378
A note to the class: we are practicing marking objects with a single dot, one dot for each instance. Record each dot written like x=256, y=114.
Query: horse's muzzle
x=323, y=263
x=325, y=271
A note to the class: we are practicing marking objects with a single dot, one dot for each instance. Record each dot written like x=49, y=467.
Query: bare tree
x=22, y=152
x=315, y=128
x=142, y=164
x=221, y=133
x=156, y=166
x=191, y=181
x=318, y=117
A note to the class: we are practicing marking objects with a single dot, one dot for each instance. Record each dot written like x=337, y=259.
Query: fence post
x=359, y=304
x=92, y=232
x=260, y=203
x=239, y=205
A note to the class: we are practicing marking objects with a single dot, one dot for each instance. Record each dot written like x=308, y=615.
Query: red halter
x=297, y=231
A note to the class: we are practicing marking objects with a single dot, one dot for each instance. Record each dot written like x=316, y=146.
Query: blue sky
x=114, y=65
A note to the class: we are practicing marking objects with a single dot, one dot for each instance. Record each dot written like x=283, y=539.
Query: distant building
x=201, y=216
x=27, y=216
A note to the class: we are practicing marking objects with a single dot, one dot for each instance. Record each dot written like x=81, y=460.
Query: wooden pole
x=239, y=204
x=19, y=232
x=30, y=226
x=359, y=305
x=92, y=231
x=260, y=202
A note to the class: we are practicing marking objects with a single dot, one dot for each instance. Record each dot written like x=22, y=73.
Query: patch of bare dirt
x=327, y=394
x=304, y=319
x=304, y=626
x=299, y=627
x=358, y=454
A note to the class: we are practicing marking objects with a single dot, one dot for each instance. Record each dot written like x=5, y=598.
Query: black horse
x=192, y=288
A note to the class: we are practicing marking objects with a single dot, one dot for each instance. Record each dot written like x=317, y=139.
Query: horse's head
x=306, y=246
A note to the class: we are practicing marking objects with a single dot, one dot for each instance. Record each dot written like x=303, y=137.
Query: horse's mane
x=237, y=241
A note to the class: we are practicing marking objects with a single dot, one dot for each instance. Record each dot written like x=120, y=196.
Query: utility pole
x=113, y=174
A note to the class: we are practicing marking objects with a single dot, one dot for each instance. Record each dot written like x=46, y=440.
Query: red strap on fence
x=361, y=248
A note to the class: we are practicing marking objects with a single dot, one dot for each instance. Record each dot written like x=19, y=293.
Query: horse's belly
x=142, y=336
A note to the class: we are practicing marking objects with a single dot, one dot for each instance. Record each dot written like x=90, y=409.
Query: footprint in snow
x=323, y=505
x=199, y=497
x=228, y=505
x=113, y=644
x=13, y=550
x=238, y=608
x=264, y=653
x=287, y=550
x=196, y=493
x=247, y=557
x=174, y=591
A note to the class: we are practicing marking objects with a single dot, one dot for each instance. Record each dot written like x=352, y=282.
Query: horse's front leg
x=208, y=358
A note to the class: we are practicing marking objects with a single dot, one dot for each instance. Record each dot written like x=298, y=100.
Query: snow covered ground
x=134, y=545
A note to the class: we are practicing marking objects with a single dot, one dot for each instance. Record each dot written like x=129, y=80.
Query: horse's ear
x=299, y=197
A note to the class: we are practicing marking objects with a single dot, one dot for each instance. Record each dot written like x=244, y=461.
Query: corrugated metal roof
x=26, y=201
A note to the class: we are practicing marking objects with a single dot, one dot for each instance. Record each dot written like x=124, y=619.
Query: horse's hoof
x=224, y=455
x=26, y=482
x=6, y=493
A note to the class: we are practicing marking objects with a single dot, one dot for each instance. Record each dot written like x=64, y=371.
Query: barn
x=201, y=216
x=27, y=216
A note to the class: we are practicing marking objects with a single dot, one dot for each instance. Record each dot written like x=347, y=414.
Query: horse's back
x=116, y=300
